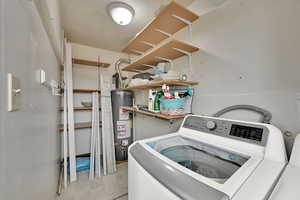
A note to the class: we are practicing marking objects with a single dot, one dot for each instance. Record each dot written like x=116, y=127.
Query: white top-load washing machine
x=208, y=158
x=287, y=187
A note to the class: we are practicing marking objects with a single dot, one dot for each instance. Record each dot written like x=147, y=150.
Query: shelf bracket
x=171, y=121
x=167, y=60
x=189, y=23
x=148, y=43
x=136, y=51
x=189, y=54
x=135, y=71
x=163, y=32
x=152, y=66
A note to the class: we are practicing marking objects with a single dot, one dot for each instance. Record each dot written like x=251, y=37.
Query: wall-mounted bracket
x=163, y=32
x=53, y=85
x=136, y=51
x=137, y=71
x=189, y=55
x=183, y=51
x=171, y=121
x=148, y=43
x=152, y=66
x=189, y=23
x=167, y=60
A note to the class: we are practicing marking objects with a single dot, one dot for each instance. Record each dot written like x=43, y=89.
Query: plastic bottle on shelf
x=157, y=101
x=151, y=97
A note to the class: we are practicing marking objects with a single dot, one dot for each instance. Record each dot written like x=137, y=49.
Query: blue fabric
x=82, y=163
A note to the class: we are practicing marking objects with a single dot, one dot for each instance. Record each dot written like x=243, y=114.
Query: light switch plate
x=13, y=93
x=42, y=76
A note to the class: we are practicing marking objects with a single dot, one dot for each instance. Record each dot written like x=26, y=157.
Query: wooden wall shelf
x=85, y=90
x=158, y=115
x=166, y=50
x=77, y=90
x=155, y=84
x=90, y=63
x=80, y=125
x=164, y=21
x=79, y=108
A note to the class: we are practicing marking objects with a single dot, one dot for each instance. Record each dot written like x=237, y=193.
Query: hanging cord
x=267, y=116
x=99, y=71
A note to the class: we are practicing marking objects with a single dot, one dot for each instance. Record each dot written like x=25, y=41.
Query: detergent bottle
x=157, y=101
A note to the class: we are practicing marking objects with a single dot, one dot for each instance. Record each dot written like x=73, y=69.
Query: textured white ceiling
x=87, y=22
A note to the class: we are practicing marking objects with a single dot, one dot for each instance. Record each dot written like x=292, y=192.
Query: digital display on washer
x=251, y=133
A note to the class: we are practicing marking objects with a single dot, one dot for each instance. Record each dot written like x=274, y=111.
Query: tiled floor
x=112, y=187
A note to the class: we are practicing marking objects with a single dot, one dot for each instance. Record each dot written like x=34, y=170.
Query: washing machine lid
x=178, y=182
x=229, y=186
x=209, y=161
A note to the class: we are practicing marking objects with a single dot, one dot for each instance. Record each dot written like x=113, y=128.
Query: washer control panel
x=211, y=125
x=247, y=132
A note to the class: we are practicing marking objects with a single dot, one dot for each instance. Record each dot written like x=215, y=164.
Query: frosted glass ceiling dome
x=120, y=12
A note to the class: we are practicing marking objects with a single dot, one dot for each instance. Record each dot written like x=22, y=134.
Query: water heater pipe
x=117, y=68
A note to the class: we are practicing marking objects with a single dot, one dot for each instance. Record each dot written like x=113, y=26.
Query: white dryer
x=208, y=158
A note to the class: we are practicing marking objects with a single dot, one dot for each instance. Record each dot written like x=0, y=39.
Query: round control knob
x=211, y=125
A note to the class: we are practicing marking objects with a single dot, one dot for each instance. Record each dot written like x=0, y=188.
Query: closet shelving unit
x=155, y=43
x=82, y=62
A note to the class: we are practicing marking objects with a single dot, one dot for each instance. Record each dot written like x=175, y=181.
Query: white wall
x=2, y=89
x=50, y=14
x=86, y=77
x=249, y=55
x=30, y=142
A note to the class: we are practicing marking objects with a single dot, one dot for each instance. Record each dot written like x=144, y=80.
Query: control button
x=211, y=125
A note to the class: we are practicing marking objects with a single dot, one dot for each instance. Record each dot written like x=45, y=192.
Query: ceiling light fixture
x=120, y=12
